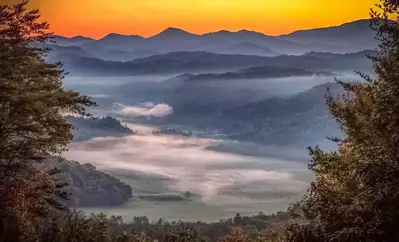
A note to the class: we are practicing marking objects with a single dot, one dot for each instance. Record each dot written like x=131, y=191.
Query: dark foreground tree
x=32, y=127
x=355, y=196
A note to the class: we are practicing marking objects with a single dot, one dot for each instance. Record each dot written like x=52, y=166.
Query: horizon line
x=201, y=34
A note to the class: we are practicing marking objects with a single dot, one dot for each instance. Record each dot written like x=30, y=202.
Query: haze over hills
x=349, y=37
x=181, y=62
x=251, y=73
x=58, y=50
x=77, y=40
x=238, y=113
x=249, y=48
x=244, y=95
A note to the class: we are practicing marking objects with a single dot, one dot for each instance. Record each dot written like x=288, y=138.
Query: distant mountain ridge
x=258, y=72
x=181, y=62
x=349, y=37
x=249, y=48
x=296, y=120
x=57, y=50
x=355, y=36
x=77, y=40
x=361, y=23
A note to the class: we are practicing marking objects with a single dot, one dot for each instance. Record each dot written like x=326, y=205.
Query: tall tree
x=355, y=196
x=32, y=126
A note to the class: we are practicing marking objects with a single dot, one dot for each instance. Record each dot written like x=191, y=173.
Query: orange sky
x=96, y=18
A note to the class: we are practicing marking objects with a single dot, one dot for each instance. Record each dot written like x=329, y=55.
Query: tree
x=75, y=226
x=355, y=196
x=239, y=235
x=187, y=194
x=134, y=238
x=184, y=234
x=32, y=127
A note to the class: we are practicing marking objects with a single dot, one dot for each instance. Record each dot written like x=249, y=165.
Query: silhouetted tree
x=355, y=196
x=32, y=127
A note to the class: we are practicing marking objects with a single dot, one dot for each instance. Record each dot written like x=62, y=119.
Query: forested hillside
x=88, y=128
x=89, y=187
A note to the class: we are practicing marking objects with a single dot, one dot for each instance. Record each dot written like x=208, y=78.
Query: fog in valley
x=202, y=127
x=160, y=168
x=185, y=141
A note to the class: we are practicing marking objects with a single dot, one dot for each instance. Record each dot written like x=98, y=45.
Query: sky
x=97, y=18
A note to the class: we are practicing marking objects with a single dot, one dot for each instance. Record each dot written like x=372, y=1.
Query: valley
x=229, y=125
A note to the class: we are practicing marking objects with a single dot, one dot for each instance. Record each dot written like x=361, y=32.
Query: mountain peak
x=173, y=32
x=112, y=35
x=116, y=35
x=172, y=29
x=223, y=31
x=244, y=31
x=252, y=33
x=80, y=37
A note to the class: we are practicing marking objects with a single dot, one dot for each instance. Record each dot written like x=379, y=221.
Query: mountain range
x=350, y=37
x=347, y=37
x=296, y=120
x=199, y=61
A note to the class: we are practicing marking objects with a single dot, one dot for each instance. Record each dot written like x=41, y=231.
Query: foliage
x=134, y=238
x=261, y=225
x=31, y=125
x=239, y=235
x=75, y=226
x=184, y=235
x=355, y=195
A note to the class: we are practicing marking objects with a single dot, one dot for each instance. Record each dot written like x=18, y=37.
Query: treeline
x=75, y=226
x=88, y=128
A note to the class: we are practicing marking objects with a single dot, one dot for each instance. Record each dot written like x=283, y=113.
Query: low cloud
x=147, y=104
x=146, y=110
x=186, y=164
x=165, y=165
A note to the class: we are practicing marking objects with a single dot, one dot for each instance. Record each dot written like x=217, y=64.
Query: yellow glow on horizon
x=96, y=18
